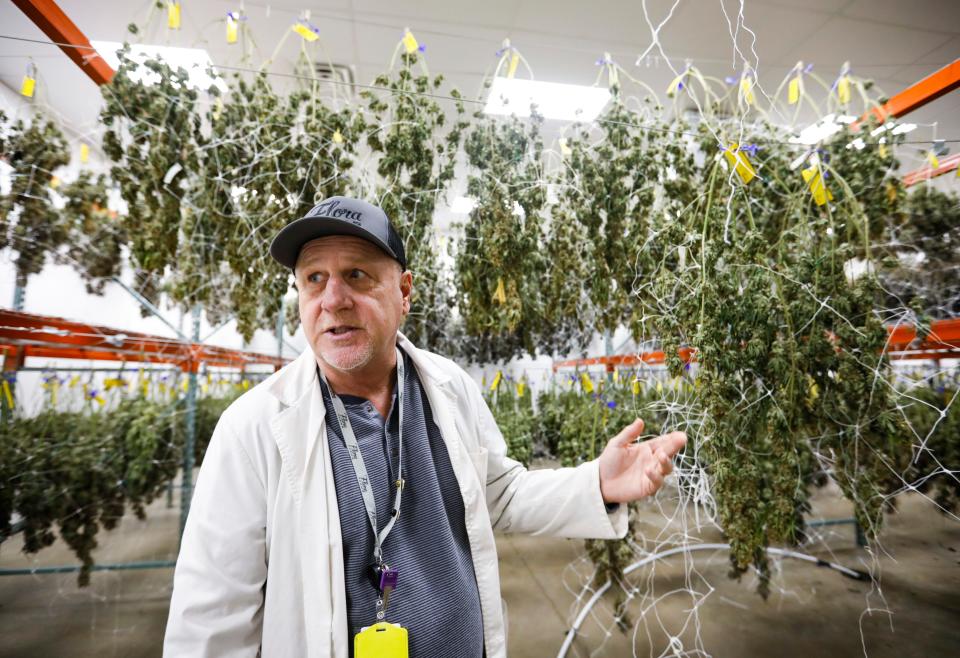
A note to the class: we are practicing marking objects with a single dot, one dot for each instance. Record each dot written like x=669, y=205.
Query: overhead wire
x=446, y=97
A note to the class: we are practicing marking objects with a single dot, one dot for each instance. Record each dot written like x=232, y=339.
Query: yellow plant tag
x=496, y=381
x=217, y=108
x=500, y=294
x=305, y=31
x=586, y=382
x=184, y=384
x=793, y=91
x=813, y=391
x=933, y=160
x=337, y=137
x=112, y=382
x=616, y=376
x=100, y=400
x=173, y=15
x=8, y=393
x=746, y=90
x=659, y=387
x=740, y=163
x=883, y=150
x=245, y=384
x=843, y=89
x=814, y=180
x=891, y=192
x=144, y=386
x=410, y=42
x=28, y=86
x=84, y=152
x=512, y=66
x=74, y=381
x=636, y=386
x=382, y=640
x=521, y=388
x=565, y=149
x=232, y=27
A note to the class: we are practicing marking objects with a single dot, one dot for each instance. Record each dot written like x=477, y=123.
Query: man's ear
x=406, y=288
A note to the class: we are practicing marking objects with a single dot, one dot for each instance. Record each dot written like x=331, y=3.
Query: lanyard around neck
x=360, y=469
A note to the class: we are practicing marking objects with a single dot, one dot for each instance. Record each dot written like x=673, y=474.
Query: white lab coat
x=261, y=563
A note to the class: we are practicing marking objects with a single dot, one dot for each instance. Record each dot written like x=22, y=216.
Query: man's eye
x=314, y=278
x=357, y=274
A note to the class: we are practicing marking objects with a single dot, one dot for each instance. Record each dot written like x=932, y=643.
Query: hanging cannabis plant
x=608, y=186
x=414, y=153
x=97, y=234
x=272, y=159
x=152, y=135
x=30, y=224
x=500, y=262
x=927, y=276
x=788, y=341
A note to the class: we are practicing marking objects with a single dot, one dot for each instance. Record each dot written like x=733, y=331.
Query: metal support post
x=186, y=491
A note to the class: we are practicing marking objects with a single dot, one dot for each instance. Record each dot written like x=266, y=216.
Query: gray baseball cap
x=338, y=215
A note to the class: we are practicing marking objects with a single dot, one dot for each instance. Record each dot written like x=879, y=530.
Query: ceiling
x=891, y=41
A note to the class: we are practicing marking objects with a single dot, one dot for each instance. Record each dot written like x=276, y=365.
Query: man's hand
x=631, y=470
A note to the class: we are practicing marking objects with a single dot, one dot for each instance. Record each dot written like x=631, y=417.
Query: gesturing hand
x=631, y=470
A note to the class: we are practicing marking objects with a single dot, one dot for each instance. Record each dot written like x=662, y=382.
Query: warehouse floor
x=812, y=611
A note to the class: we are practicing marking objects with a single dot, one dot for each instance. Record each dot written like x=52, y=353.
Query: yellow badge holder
x=382, y=640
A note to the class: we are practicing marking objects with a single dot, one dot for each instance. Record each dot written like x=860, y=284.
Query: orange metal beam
x=43, y=336
x=947, y=165
x=916, y=95
x=943, y=342
x=48, y=16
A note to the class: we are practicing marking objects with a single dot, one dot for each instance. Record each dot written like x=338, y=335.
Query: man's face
x=352, y=299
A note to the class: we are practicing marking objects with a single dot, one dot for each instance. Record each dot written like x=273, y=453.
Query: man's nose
x=336, y=295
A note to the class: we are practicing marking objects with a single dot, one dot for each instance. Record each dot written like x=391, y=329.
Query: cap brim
x=285, y=248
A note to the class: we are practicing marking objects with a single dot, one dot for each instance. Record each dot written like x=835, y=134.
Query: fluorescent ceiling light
x=194, y=60
x=819, y=131
x=554, y=100
x=462, y=205
x=904, y=128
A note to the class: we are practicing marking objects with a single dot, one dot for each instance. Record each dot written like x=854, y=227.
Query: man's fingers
x=666, y=463
x=654, y=475
x=670, y=444
x=629, y=434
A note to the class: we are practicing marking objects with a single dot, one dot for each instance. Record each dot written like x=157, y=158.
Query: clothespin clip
x=306, y=29
x=29, y=84
x=410, y=42
x=233, y=25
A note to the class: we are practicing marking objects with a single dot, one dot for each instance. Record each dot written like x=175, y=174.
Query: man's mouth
x=340, y=330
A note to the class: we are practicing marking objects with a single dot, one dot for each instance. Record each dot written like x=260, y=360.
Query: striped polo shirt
x=436, y=599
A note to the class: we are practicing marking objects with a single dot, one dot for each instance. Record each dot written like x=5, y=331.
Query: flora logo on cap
x=332, y=209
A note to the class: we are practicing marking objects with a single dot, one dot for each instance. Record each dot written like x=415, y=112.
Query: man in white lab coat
x=363, y=430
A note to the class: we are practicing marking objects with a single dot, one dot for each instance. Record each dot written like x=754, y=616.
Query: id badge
x=382, y=640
